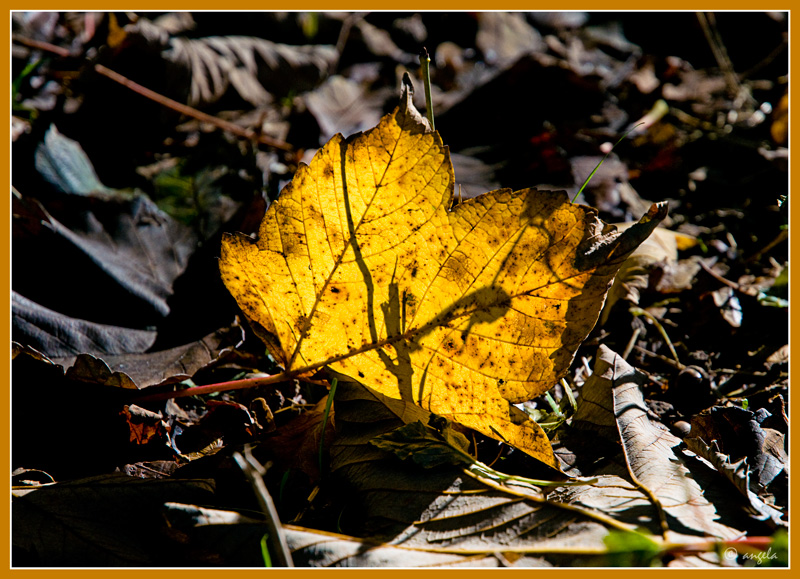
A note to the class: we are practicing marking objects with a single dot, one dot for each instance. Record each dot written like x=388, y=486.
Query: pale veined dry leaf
x=611, y=400
x=312, y=548
x=232, y=539
x=255, y=67
x=430, y=504
x=363, y=265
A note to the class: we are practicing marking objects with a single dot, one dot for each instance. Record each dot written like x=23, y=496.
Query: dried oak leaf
x=364, y=265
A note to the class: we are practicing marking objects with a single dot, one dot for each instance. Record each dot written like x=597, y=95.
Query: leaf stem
x=553, y=406
x=218, y=387
x=568, y=392
x=637, y=311
x=586, y=182
x=425, y=63
x=483, y=470
x=138, y=397
x=591, y=514
x=328, y=404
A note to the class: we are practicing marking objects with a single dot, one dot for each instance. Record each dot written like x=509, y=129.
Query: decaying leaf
x=126, y=250
x=343, y=105
x=229, y=538
x=254, y=67
x=737, y=473
x=145, y=425
x=364, y=265
x=205, y=69
x=64, y=164
x=296, y=444
x=505, y=36
x=100, y=521
x=660, y=249
x=318, y=549
x=55, y=334
x=739, y=433
x=139, y=369
x=611, y=400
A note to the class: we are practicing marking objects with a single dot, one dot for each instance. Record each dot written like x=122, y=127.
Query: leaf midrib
x=348, y=241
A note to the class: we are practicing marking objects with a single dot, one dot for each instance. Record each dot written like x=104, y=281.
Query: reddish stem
x=41, y=45
x=218, y=387
x=760, y=543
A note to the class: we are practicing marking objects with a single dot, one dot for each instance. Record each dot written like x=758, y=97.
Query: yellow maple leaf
x=363, y=265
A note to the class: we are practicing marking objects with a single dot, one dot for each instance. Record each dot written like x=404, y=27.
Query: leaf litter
x=695, y=321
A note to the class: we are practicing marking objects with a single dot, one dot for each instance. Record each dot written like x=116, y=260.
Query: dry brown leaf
x=611, y=400
x=106, y=521
x=661, y=248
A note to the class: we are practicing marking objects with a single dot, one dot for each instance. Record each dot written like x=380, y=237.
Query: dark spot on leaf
x=334, y=290
x=360, y=374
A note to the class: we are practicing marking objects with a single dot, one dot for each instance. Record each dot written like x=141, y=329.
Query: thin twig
x=665, y=359
x=161, y=99
x=631, y=343
x=589, y=178
x=286, y=375
x=254, y=473
x=709, y=24
x=766, y=60
x=191, y=112
x=654, y=500
x=41, y=45
x=782, y=236
x=731, y=284
x=344, y=34
x=636, y=311
x=591, y=514
x=267, y=380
